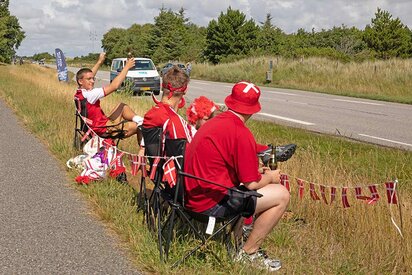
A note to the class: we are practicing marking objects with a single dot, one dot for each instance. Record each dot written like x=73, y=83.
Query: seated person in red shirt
x=164, y=114
x=202, y=109
x=224, y=150
x=85, y=78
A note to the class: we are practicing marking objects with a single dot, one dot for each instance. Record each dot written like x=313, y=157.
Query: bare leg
x=270, y=209
x=122, y=110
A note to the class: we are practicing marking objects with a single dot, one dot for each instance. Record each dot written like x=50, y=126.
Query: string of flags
x=104, y=155
x=374, y=196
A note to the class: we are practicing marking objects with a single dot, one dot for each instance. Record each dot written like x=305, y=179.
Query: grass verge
x=388, y=80
x=313, y=238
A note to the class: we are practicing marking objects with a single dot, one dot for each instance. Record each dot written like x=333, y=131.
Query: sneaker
x=122, y=178
x=283, y=153
x=259, y=259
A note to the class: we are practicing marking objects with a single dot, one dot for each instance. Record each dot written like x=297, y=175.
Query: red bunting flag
x=284, y=180
x=117, y=160
x=313, y=193
x=391, y=192
x=134, y=164
x=154, y=168
x=169, y=172
x=86, y=135
x=332, y=194
x=345, y=201
x=374, y=193
x=301, y=187
x=323, y=193
x=359, y=196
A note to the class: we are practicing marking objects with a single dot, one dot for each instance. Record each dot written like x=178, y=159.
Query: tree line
x=231, y=37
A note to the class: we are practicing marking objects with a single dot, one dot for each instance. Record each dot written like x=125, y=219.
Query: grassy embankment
x=317, y=238
x=384, y=80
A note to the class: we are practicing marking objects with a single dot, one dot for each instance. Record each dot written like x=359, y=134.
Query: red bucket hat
x=244, y=98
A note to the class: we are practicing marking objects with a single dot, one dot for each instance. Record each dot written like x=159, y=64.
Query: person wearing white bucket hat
x=224, y=150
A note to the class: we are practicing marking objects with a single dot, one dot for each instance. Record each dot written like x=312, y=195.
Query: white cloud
x=67, y=24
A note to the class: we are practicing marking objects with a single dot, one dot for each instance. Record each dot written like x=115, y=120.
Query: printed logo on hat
x=248, y=87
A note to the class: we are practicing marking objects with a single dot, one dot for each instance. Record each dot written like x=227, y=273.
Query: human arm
x=119, y=78
x=99, y=62
x=269, y=177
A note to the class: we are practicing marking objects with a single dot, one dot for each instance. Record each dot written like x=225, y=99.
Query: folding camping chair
x=153, y=148
x=167, y=216
x=82, y=128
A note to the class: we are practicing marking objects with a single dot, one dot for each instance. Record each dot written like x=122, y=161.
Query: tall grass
x=384, y=80
x=312, y=238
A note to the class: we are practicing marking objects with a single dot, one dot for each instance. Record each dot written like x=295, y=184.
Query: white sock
x=138, y=120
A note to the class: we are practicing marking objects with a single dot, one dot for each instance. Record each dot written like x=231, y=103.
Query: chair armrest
x=249, y=192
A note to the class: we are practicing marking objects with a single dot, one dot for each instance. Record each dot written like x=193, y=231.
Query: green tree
x=11, y=34
x=230, y=36
x=44, y=55
x=388, y=37
x=115, y=43
x=269, y=37
x=168, y=36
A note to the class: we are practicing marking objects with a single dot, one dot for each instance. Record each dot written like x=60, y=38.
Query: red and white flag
x=332, y=194
x=358, y=194
x=154, y=168
x=86, y=135
x=134, y=164
x=374, y=193
x=391, y=192
x=169, y=172
x=284, y=180
x=345, y=201
x=301, y=187
x=323, y=193
x=313, y=193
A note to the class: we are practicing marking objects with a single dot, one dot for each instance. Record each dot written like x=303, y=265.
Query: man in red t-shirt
x=224, y=151
x=97, y=119
x=164, y=113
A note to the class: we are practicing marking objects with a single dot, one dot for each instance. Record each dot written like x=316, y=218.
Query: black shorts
x=234, y=203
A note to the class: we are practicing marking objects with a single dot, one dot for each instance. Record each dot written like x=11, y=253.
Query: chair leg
x=205, y=240
x=76, y=140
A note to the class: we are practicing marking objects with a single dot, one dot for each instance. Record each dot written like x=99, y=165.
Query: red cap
x=244, y=98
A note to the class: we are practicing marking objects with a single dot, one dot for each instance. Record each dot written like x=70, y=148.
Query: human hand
x=274, y=175
x=102, y=57
x=262, y=170
x=130, y=63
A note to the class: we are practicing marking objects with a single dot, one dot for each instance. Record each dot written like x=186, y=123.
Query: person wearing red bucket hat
x=244, y=98
x=224, y=150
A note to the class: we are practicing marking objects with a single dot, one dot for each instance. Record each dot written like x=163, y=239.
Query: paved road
x=45, y=225
x=373, y=121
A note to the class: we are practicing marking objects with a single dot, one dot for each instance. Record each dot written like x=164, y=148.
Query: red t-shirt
x=94, y=112
x=174, y=126
x=224, y=151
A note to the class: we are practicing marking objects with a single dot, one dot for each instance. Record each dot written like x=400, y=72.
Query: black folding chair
x=192, y=221
x=81, y=130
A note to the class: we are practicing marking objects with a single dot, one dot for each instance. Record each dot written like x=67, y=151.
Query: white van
x=144, y=75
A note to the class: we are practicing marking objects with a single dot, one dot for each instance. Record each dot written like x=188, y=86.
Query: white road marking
x=384, y=139
x=279, y=93
x=287, y=119
x=359, y=102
